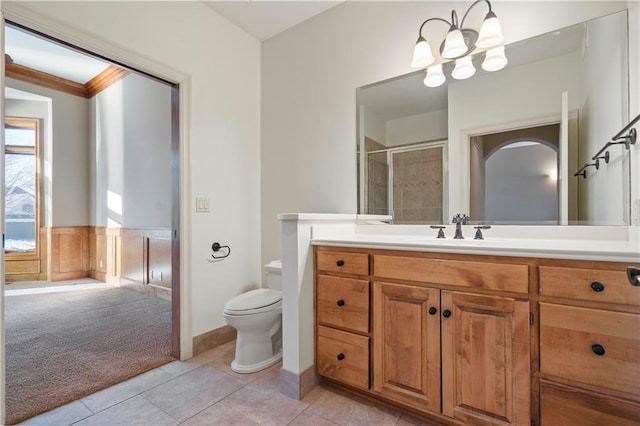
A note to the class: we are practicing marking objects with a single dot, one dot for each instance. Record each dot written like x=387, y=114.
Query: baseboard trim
x=297, y=386
x=213, y=338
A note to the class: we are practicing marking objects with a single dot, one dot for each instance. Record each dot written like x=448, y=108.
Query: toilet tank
x=274, y=274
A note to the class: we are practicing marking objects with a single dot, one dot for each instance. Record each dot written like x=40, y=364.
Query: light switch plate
x=202, y=204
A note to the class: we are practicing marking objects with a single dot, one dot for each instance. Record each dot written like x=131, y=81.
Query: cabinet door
x=407, y=344
x=485, y=359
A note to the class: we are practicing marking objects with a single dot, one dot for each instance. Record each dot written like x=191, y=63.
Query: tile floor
x=204, y=391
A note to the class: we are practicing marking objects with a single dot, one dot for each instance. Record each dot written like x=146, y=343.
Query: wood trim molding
x=97, y=84
x=29, y=75
x=106, y=78
x=212, y=339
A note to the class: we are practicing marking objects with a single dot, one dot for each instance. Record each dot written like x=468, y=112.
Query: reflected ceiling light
x=494, y=59
x=464, y=68
x=435, y=77
x=460, y=42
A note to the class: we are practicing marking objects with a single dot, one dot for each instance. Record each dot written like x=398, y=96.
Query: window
x=22, y=186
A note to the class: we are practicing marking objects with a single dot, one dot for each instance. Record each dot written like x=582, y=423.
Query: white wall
x=427, y=127
x=374, y=125
x=131, y=154
x=634, y=107
x=308, y=94
x=221, y=65
x=66, y=157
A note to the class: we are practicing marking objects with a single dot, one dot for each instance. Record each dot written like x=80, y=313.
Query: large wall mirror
x=503, y=147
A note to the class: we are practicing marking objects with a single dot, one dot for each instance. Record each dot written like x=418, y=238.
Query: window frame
x=27, y=123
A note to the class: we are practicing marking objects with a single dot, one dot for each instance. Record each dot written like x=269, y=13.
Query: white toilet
x=257, y=317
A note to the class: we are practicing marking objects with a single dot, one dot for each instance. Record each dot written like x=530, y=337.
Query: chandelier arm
x=432, y=19
x=471, y=7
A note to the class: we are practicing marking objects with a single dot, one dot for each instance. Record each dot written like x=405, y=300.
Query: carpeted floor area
x=61, y=346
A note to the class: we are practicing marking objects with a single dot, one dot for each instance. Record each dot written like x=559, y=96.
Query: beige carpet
x=61, y=346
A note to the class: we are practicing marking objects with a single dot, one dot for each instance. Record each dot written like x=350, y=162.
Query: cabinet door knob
x=446, y=313
x=340, y=302
x=597, y=287
x=432, y=310
x=340, y=262
x=598, y=349
x=340, y=356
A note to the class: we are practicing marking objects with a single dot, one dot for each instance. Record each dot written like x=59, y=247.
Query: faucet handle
x=479, y=231
x=440, y=229
x=461, y=219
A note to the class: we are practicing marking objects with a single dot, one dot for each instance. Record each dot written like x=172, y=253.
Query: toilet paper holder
x=216, y=247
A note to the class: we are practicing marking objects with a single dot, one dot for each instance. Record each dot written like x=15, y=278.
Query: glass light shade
x=490, y=32
x=454, y=45
x=464, y=68
x=494, y=59
x=435, y=77
x=422, y=55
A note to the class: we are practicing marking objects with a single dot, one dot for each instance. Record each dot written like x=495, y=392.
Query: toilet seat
x=253, y=302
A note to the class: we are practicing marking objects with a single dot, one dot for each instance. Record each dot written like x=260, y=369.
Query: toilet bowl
x=257, y=317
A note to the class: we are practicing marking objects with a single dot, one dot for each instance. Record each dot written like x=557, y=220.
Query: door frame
x=14, y=12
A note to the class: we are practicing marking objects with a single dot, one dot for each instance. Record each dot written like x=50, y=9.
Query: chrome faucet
x=459, y=220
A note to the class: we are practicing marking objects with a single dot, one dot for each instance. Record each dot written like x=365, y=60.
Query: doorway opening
x=514, y=176
x=102, y=211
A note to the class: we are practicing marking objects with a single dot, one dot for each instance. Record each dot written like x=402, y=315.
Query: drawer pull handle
x=446, y=313
x=340, y=302
x=340, y=262
x=340, y=356
x=598, y=349
x=432, y=310
x=633, y=274
x=597, y=287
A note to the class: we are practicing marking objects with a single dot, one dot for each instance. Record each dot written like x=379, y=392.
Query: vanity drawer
x=588, y=284
x=489, y=276
x=592, y=346
x=349, y=263
x=565, y=405
x=343, y=302
x=343, y=356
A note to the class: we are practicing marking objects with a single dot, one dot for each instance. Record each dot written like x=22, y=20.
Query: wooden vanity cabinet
x=342, y=299
x=589, y=346
x=447, y=338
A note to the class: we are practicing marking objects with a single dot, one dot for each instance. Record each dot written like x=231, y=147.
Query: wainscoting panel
x=137, y=258
x=159, y=262
x=68, y=253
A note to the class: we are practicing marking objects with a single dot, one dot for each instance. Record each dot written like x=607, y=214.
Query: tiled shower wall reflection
x=417, y=186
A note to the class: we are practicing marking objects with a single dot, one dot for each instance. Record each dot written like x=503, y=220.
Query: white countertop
x=608, y=244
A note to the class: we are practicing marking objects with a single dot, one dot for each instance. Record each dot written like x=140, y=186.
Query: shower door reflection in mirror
x=406, y=182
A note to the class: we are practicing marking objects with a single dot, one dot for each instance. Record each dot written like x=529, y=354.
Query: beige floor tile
x=65, y=415
x=223, y=362
x=219, y=414
x=115, y=394
x=264, y=404
x=406, y=420
x=309, y=419
x=345, y=410
x=192, y=392
x=135, y=411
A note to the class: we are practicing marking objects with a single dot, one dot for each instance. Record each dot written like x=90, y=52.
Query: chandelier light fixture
x=458, y=44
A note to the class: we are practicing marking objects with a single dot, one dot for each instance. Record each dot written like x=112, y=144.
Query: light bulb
x=454, y=45
x=464, y=68
x=494, y=59
x=490, y=32
x=435, y=77
x=422, y=55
